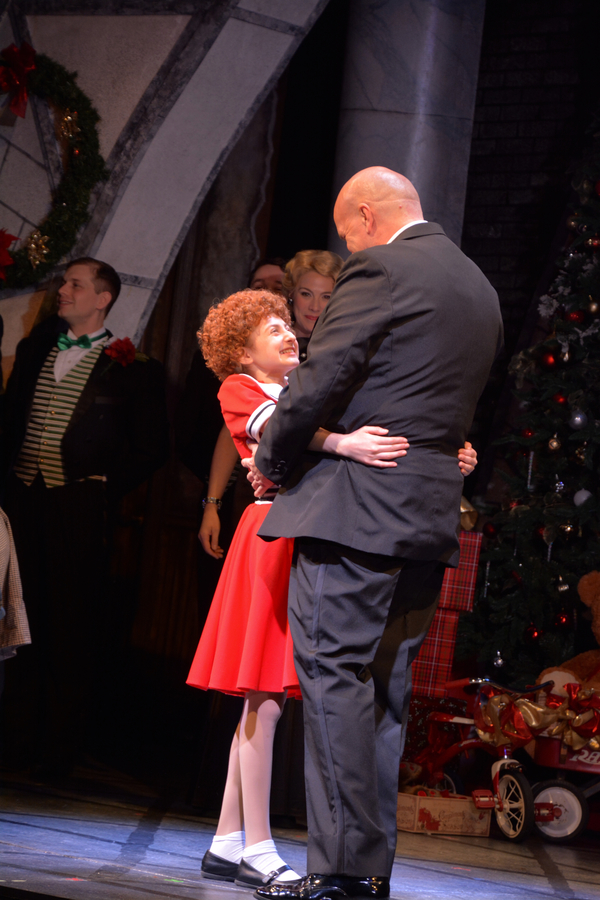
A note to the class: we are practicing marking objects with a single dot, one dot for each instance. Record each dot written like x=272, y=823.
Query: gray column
x=409, y=96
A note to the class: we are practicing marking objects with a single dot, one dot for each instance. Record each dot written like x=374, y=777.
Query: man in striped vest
x=85, y=422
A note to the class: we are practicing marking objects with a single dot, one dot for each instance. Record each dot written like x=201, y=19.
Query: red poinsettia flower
x=122, y=351
x=6, y=259
x=13, y=76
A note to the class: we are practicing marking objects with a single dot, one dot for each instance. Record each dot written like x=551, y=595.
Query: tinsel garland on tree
x=547, y=535
x=84, y=167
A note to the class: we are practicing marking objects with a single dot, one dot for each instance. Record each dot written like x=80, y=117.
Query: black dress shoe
x=216, y=867
x=327, y=887
x=248, y=876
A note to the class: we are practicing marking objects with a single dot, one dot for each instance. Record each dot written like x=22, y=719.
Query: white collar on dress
x=271, y=390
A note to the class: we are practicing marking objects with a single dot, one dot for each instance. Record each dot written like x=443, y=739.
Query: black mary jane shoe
x=248, y=876
x=327, y=887
x=217, y=868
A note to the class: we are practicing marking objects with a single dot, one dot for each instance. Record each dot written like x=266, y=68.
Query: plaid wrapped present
x=433, y=666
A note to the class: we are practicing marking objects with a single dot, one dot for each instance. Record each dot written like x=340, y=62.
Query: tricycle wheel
x=516, y=819
x=450, y=781
x=573, y=806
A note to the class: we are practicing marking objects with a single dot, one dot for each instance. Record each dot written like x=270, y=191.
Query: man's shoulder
x=45, y=331
x=34, y=347
x=405, y=245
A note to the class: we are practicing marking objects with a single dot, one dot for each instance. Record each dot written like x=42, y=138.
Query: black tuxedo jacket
x=119, y=427
x=406, y=342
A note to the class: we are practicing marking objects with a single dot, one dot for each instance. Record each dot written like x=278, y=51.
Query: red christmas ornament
x=540, y=530
x=489, y=530
x=76, y=152
x=549, y=360
x=6, y=259
x=516, y=576
x=576, y=315
x=563, y=621
x=559, y=398
x=528, y=432
x=533, y=634
x=593, y=243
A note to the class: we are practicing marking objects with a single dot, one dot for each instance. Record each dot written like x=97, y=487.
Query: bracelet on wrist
x=213, y=500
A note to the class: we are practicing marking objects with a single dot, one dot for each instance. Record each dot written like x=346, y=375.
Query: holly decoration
x=546, y=531
x=84, y=166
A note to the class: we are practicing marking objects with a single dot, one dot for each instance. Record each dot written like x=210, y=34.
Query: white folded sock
x=265, y=858
x=229, y=846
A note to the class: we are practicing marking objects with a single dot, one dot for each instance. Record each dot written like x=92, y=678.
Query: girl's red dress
x=246, y=643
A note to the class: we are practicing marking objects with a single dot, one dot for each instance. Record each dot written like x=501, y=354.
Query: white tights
x=248, y=786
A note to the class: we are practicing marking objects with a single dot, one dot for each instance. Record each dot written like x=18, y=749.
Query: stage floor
x=122, y=841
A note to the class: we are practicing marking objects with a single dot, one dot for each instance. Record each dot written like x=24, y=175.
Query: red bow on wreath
x=13, y=75
x=6, y=259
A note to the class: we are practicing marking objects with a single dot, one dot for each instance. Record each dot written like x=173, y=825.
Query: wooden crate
x=455, y=814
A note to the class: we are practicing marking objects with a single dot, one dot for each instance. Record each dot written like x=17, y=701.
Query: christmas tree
x=547, y=534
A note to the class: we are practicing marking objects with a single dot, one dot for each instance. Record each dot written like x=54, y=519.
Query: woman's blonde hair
x=230, y=323
x=324, y=262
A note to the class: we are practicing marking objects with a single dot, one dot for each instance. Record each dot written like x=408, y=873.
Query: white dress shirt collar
x=404, y=227
x=91, y=335
x=66, y=360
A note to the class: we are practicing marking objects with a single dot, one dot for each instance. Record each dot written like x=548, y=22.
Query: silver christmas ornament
x=562, y=585
x=581, y=496
x=559, y=485
x=498, y=661
x=578, y=420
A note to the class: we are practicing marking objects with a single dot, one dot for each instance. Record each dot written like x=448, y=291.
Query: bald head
x=373, y=205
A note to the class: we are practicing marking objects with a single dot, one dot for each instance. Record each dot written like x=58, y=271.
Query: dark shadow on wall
x=302, y=202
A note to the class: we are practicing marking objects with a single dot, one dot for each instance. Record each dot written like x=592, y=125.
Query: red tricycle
x=499, y=721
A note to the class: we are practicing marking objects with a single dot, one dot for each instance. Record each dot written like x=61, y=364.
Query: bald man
x=406, y=341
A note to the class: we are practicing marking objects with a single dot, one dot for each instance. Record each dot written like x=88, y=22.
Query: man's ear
x=104, y=298
x=367, y=218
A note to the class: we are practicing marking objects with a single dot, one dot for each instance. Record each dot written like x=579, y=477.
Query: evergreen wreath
x=84, y=167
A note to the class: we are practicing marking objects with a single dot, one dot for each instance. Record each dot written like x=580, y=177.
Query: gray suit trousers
x=358, y=620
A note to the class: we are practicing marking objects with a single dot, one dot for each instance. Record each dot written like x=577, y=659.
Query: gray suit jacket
x=406, y=342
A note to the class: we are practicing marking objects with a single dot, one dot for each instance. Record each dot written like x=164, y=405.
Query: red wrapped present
x=433, y=666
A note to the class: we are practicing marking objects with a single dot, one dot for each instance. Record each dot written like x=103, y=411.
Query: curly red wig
x=230, y=323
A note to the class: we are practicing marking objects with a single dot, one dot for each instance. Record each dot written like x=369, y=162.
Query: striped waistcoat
x=53, y=405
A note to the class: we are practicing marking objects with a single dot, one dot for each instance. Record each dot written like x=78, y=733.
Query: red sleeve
x=245, y=408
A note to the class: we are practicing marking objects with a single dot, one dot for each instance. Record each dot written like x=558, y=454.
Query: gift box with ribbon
x=433, y=666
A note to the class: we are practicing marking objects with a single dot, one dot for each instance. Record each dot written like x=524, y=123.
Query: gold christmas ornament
x=562, y=585
x=67, y=126
x=37, y=251
x=468, y=515
x=554, y=443
x=593, y=306
x=567, y=529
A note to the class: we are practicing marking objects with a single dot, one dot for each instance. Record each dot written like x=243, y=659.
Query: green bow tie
x=84, y=342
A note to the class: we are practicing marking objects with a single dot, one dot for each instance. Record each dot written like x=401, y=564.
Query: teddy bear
x=584, y=668
x=589, y=592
